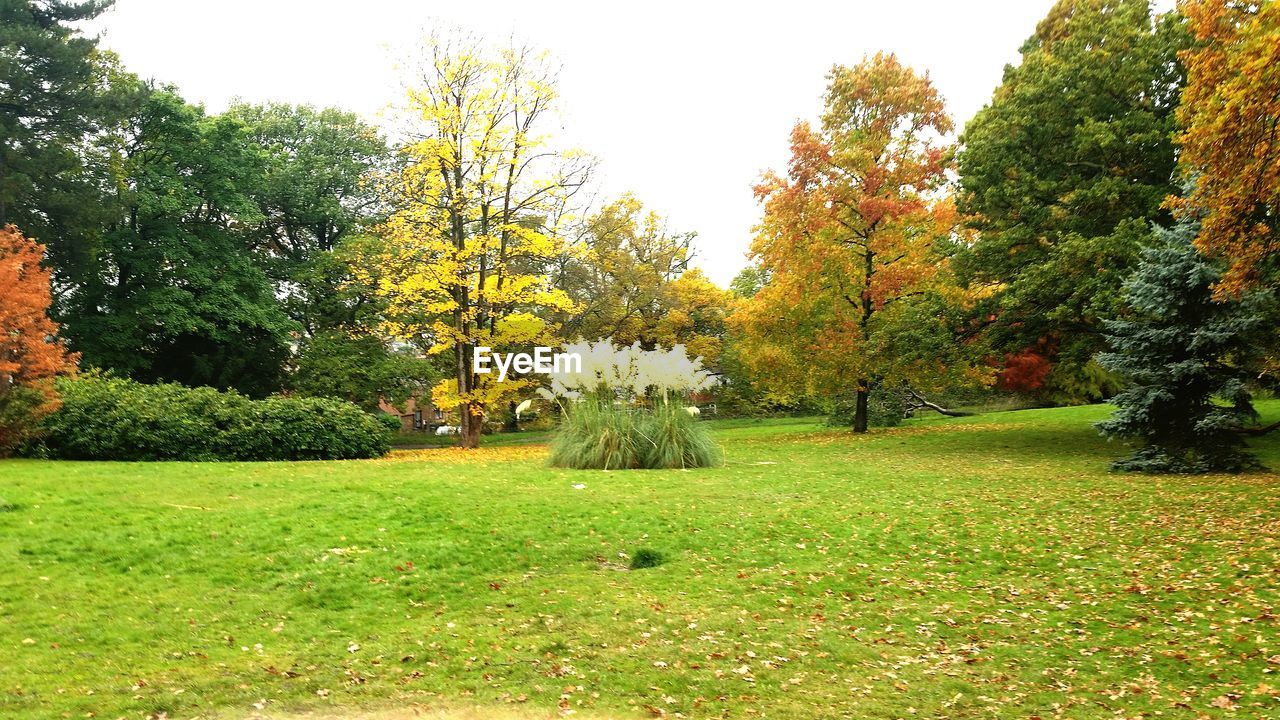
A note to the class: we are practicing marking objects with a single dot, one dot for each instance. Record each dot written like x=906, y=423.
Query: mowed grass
x=973, y=568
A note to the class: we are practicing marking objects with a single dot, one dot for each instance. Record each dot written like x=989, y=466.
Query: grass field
x=974, y=568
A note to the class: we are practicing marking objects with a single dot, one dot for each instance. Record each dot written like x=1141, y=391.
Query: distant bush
x=390, y=422
x=106, y=418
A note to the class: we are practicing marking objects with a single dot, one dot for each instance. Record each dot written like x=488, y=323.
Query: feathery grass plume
x=623, y=409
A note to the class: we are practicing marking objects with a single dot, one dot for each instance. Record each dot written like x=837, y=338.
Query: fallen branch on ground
x=916, y=401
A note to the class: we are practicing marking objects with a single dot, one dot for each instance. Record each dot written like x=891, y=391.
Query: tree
x=48, y=104
x=173, y=292
x=342, y=354
x=694, y=312
x=1182, y=354
x=629, y=278
x=360, y=368
x=471, y=234
x=313, y=193
x=1230, y=115
x=852, y=236
x=748, y=281
x=30, y=354
x=618, y=274
x=1061, y=175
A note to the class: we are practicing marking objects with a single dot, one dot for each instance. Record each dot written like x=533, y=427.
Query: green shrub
x=597, y=434
x=390, y=422
x=21, y=408
x=647, y=558
x=286, y=428
x=108, y=418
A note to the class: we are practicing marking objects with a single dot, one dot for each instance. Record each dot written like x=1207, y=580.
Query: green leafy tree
x=341, y=354
x=58, y=93
x=312, y=195
x=362, y=369
x=1063, y=172
x=48, y=103
x=748, y=281
x=1180, y=352
x=174, y=292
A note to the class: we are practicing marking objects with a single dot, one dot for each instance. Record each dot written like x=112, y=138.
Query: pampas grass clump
x=621, y=410
x=670, y=437
x=597, y=434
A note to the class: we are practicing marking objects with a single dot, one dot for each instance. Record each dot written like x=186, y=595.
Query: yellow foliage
x=475, y=203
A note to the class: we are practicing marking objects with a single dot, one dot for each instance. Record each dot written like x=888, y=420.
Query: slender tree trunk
x=860, y=420
x=860, y=408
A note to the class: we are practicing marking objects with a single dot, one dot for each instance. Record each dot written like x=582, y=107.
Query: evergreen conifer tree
x=1181, y=353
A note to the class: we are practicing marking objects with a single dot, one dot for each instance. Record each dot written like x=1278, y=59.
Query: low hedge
x=108, y=418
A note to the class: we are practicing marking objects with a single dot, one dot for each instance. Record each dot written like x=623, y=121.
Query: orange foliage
x=1024, y=371
x=30, y=355
x=852, y=227
x=1230, y=113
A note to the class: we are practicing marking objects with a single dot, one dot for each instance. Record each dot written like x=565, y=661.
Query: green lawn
x=974, y=568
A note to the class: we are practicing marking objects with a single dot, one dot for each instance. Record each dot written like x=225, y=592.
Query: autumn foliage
x=852, y=235
x=1230, y=113
x=30, y=356
x=1025, y=371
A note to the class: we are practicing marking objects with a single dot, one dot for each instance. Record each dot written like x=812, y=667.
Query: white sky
x=685, y=103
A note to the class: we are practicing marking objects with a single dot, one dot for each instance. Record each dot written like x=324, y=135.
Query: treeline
x=901, y=260
x=186, y=247
x=1104, y=228
x=277, y=248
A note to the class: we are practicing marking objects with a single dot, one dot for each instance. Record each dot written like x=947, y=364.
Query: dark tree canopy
x=1063, y=171
x=175, y=293
x=314, y=192
x=53, y=100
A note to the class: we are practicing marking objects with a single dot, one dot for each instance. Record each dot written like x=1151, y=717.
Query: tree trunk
x=860, y=409
x=472, y=424
x=860, y=420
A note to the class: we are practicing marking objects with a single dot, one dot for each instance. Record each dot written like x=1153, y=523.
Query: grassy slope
x=961, y=568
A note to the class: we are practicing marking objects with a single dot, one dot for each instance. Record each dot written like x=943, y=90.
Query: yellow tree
x=694, y=316
x=618, y=272
x=854, y=242
x=629, y=275
x=463, y=255
x=1230, y=114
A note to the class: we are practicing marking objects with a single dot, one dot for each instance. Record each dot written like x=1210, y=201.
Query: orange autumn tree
x=1230, y=114
x=30, y=355
x=854, y=243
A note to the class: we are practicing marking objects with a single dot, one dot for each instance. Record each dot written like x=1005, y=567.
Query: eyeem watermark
x=543, y=360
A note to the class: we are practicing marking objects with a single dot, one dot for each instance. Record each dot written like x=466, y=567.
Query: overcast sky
x=685, y=103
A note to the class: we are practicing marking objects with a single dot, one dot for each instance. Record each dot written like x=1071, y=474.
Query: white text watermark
x=542, y=360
